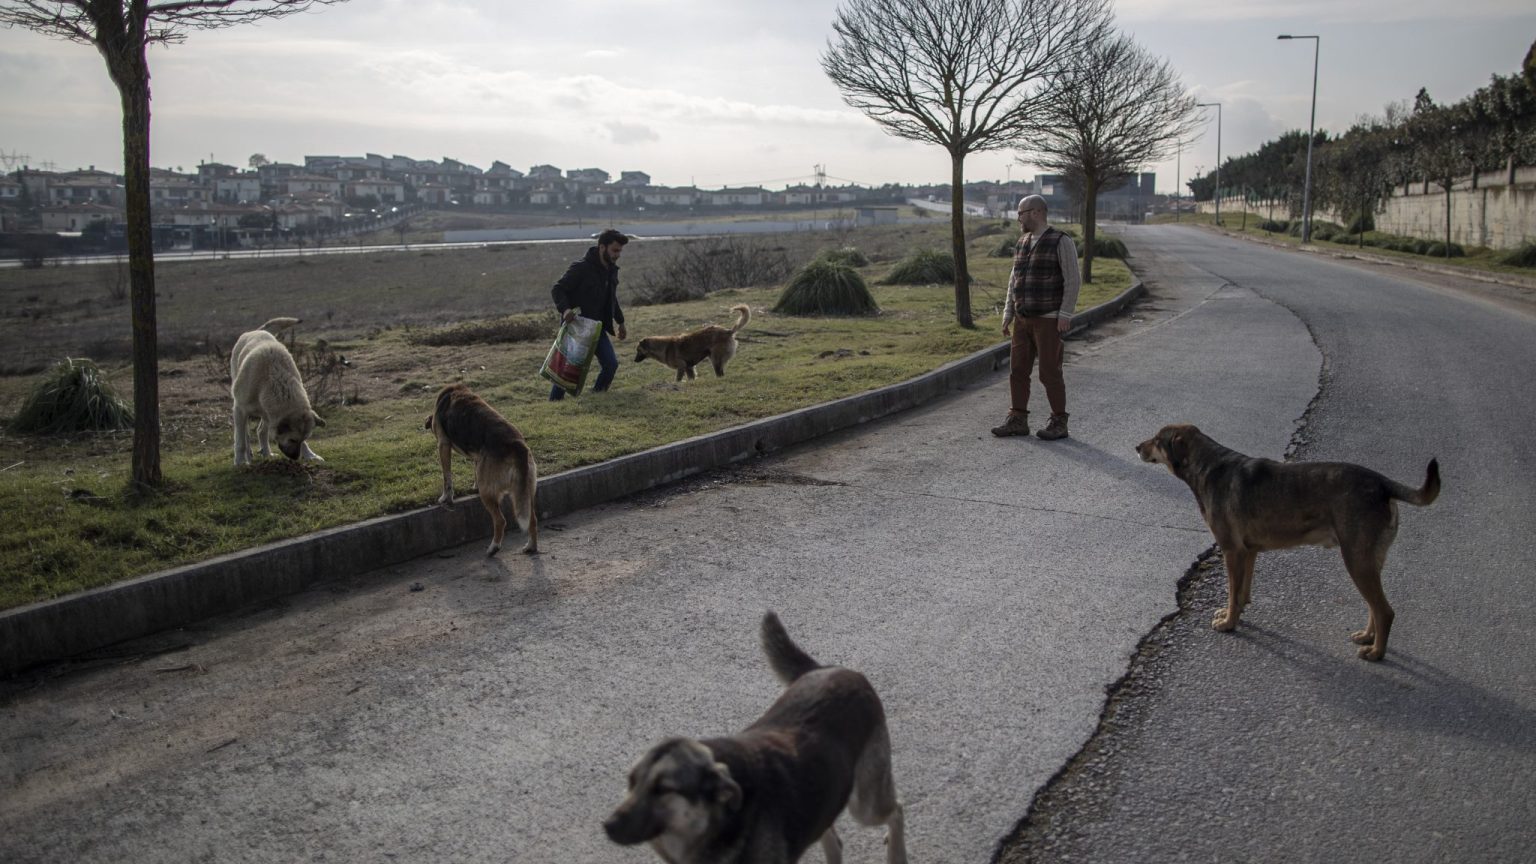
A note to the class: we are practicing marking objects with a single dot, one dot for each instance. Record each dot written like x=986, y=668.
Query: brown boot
x=1016, y=423
x=1055, y=429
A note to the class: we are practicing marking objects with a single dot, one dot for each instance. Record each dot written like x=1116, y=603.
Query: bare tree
x=967, y=75
x=1117, y=109
x=121, y=30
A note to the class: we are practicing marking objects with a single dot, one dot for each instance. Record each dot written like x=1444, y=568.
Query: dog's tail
x=1422, y=496
x=743, y=315
x=527, y=487
x=278, y=325
x=786, y=658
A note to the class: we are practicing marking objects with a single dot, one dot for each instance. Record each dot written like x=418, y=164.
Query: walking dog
x=1255, y=505
x=266, y=387
x=687, y=350
x=504, y=465
x=765, y=795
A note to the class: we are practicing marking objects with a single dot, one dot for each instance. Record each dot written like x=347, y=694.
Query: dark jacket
x=592, y=287
x=1037, y=283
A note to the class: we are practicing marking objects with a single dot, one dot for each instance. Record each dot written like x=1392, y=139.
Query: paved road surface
x=992, y=590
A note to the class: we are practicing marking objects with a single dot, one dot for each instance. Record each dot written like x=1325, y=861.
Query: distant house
x=865, y=216
x=386, y=191
x=747, y=196
x=434, y=194
x=634, y=179
x=604, y=196
x=238, y=189
x=664, y=196
x=86, y=188
x=75, y=217
x=170, y=189
x=310, y=183
x=587, y=175
x=213, y=215
x=544, y=172
x=207, y=171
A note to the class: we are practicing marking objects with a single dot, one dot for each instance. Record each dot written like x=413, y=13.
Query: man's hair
x=612, y=235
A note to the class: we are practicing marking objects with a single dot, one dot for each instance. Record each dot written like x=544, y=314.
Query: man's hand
x=569, y=316
x=1063, y=325
x=1006, y=327
x=623, y=334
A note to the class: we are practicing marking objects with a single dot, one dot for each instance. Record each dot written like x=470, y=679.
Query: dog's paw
x=446, y=499
x=530, y=550
x=1362, y=637
x=491, y=550
x=1222, y=623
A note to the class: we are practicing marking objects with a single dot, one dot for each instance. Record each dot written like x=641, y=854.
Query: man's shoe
x=1014, y=424
x=1055, y=429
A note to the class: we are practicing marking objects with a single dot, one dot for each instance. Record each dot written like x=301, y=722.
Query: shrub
x=1420, y=247
x=72, y=397
x=1439, y=250
x=696, y=268
x=507, y=329
x=1525, y=256
x=1278, y=226
x=826, y=288
x=923, y=267
x=1109, y=247
x=1006, y=248
x=1360, y=223
x=848, y=256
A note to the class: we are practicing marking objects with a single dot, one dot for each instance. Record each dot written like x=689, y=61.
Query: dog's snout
x=289, y=450
x=623, y=827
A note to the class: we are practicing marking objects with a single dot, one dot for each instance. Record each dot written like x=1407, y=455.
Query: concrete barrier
x=68, y=626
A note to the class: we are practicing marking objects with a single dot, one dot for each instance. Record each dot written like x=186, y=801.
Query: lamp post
x=1178, y=169
x=1218, y=156
x=1306, y=190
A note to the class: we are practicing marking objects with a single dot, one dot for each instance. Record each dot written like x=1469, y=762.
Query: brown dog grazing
x=504, y=465
x=765, y=795
x=687, y=350
x=1254, y=505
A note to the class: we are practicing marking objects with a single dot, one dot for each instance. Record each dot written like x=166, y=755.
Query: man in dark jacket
x=592, y=285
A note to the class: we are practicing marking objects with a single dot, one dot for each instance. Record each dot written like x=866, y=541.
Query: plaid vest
x=1036, y=282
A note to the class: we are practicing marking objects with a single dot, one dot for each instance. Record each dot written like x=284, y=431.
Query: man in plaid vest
x=1042, y=292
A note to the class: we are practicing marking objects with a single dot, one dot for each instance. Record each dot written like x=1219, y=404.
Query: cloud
x=1318, y=11
x=631, y=133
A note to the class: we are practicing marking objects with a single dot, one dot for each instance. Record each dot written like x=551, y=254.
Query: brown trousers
x=1033, y=337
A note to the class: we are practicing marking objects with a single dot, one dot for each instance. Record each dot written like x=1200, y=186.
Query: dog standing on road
x=267, y=387
x=765, y=795
x=1255, y=505
x=687, y=350
x=504, y=465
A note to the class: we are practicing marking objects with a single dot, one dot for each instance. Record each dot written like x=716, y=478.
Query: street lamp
x=1218, y=156
x=1306, y=190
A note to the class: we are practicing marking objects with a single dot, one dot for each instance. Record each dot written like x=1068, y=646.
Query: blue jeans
x=608, y=365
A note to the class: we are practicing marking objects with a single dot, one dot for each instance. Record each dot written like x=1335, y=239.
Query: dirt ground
x=202, y=306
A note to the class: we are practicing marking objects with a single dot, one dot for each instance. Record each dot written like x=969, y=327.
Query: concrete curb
x=68, y=626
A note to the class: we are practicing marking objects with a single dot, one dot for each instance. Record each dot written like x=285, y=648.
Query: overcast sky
x=705, y=92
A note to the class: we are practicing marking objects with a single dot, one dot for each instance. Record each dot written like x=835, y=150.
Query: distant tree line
x=1490, y=131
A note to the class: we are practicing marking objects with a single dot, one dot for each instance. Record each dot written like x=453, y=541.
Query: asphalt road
x=992, y=590
x=1276, y=744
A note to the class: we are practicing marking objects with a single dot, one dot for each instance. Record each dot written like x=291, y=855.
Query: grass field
x=71, y=526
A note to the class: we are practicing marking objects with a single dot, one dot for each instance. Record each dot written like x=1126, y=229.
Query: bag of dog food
x=570, y=357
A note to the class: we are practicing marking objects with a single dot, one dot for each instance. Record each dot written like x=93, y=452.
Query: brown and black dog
x=687, y=350
x=765, y=795
x=1255, y=505
x=504, y=465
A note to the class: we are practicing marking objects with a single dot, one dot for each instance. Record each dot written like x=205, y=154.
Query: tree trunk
x=124, y=53
x=1448, y=219
x=1090, y=230
x=957, y=241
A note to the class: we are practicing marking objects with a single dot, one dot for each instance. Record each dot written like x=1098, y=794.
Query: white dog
x=266, y=386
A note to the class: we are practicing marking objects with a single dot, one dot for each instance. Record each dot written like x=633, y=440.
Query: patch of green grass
x=71, y=526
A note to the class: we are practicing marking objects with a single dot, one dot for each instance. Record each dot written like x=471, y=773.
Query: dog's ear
x=727, y=792
x=1176, y=445
x=319, y=421
x=429, y=422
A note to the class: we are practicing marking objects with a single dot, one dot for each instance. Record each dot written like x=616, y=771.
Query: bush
x=72, y=397
x=848, y=256
x=507, y=329
x=923, y=267
x=1419, y=247
x=696, y=268
x=1006, y=248
x=1109, y=247
x=1274, y=226
x=1525, y=256
x=825, y=288
x=1438, y=250
x=1361, y=223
